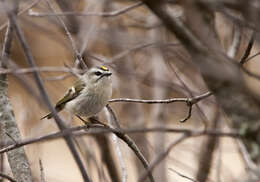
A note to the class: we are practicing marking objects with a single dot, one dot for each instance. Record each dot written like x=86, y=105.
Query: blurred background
x=147, y=62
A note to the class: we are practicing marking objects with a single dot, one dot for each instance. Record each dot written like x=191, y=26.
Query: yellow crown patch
x=104, y=68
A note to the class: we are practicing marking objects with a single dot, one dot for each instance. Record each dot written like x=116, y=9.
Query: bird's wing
x=71, y=94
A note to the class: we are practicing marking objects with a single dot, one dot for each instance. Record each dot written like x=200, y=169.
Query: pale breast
x=91, y=102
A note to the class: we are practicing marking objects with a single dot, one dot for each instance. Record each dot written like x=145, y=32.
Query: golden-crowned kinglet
x=89, y=95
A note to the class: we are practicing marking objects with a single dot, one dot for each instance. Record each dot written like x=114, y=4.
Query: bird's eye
x=98, y=73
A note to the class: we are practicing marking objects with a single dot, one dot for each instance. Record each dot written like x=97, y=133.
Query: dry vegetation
x=185, y=104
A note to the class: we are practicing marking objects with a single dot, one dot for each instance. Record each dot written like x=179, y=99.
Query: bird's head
x=98, y=75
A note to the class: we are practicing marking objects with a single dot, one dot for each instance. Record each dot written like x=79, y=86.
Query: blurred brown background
x=147, y=62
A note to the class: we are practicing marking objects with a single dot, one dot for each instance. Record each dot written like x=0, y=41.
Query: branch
x=109, y=115
x=73, y=45
x=43, y=92
x=162, y=156
x=120, y=134
x=139, y=47
x=183, y=176
x=113, y=115
x=193, y=100
x=105, y=14
x=248, y=50
x=233, y=50
x=42, y=171
x=17, y=159
x=76, y=131
x=253, y=56
x=21, y=12
x=189, y=101
x=7, y=177
x=39, y=69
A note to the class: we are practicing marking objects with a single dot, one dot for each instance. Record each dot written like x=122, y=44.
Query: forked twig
x=189, y=101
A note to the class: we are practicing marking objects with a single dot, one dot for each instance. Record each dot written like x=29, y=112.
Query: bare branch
x=73, y=45
x=116, y=144
x=101, y=130
x=253, y=56
x=189, y=101
x=162, y=156
x=17, y=159
x=232, y=52
x=38, y=69
x=133, y=146
x=103, y=14
x=42, y=171
x=116, y=122
x=245, y=58
x=122, y=54
x=250, y=165
x=21, y=12
x=182, y=175
x=189, y=113
x=7, y=177
x=193, y=100
x=40, y=85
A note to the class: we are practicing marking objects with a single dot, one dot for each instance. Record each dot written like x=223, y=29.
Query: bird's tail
x=48, y=116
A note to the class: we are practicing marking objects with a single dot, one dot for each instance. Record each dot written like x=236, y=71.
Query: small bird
x=89, y=95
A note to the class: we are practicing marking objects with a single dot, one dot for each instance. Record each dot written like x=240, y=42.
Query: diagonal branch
x=7, y=177
x=73, y=44
x=103, y=14
x=40, y=85
x=162, y=156
x=17, y=159
x=248, y=49
x=76, y=131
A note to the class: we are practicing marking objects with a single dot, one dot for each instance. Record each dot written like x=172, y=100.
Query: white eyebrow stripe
x=73, y=89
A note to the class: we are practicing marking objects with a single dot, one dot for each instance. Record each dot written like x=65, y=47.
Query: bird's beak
x=107, y=74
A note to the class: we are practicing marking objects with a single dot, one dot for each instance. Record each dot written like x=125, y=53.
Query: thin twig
x=38, y=69
x=120, y=134
x=189, y=113
x=123, y=136
x=139, y=47
x=162, y=156
x=253, y=56
x=73, y=45
x=75, y=131
x=46, y=98
x=193, y=100
x=21, y=12
x=116, y=122
x=251, y=74
x=248, y=49
x=51, y=136
x=189, y=101
x=191, y=94
x=116, y=144
x=182, y=175
x=250, y=165
x=12, y=138
x=24, y=81
x=233, y=50
x=103, y=14
x=42, y=171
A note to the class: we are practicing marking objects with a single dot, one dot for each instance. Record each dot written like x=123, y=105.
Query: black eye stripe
x=98, y=73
